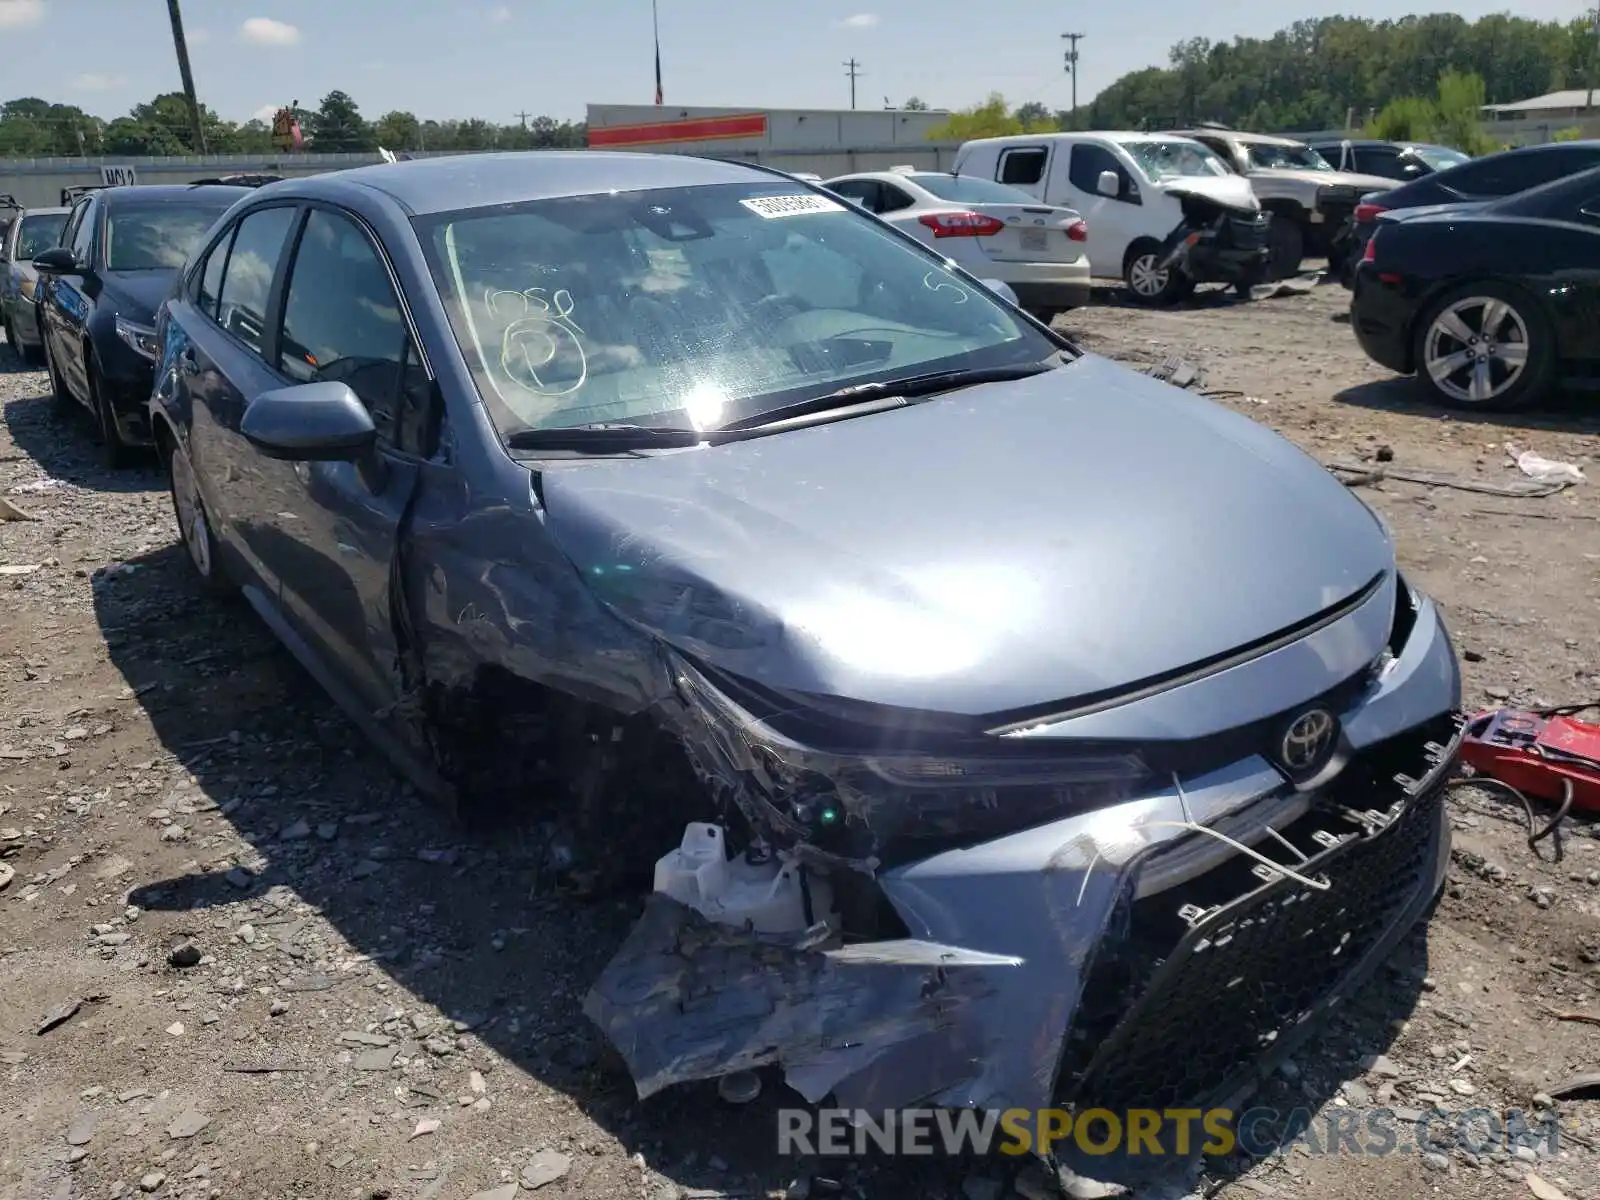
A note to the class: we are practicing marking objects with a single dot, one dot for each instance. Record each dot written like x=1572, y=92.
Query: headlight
x=851, y=792
x=140, y=338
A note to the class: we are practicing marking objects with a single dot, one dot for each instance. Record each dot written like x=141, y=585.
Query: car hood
x=1009, y=545
x=1364, y=183
x=1230, y=191
x=137, y=294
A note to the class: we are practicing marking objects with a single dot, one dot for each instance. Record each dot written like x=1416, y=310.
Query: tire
x=194, y=524
x=114, y=452
x=61, y=400
x=1487, y=377
x=1286, y=242
x=12, y=340
x=1146, y=284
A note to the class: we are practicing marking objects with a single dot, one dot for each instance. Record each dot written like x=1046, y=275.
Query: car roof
x=450, y=182
x=54, y=211
x=169, y=191
x=1260, y=139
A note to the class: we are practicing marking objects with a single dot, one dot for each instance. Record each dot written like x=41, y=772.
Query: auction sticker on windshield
x=790, y=206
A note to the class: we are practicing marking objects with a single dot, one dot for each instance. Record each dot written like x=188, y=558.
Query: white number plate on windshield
x=1033, y=239
x=790, y=206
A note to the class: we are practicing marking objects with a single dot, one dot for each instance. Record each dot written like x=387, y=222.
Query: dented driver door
x=342, y=323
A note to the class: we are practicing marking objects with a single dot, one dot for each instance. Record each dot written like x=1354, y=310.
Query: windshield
x=693, y=307
x=1440, y=158
x=1269, y=156
x=1176, y=159
x=37, y=234
x=968, y=189
x=156, y=237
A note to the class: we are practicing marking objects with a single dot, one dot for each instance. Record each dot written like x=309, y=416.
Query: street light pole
x=182, y=47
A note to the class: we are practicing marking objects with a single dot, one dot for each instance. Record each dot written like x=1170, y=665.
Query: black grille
x=1248, y=234
x=1180, y=1028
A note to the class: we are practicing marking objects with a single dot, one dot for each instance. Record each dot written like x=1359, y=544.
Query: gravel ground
x=270, y=971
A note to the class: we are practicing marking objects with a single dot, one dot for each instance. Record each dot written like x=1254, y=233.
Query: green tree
x=915, y=104
x=990, y=119
x=397, y=131
x=337, y=126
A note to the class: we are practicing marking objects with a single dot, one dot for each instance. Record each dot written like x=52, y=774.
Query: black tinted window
x=341, y=321
x=1379, y=160
x=1507, y=174
x=211, y=277
x=246, y=280
x=83, y=232
x=894, y=199
x=1025, y=165
x=1087, y=162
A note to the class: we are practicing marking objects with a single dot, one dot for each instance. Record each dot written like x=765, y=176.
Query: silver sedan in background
x=35, y=230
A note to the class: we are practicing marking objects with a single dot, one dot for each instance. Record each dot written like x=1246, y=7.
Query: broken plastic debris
x=769, y=896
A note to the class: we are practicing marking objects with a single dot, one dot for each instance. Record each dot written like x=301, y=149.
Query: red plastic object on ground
x=1538, y=753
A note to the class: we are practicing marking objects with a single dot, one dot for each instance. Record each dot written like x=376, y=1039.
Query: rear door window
x=1508, y=174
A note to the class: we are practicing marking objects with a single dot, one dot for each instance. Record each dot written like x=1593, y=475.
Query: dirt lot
x=385, y=1007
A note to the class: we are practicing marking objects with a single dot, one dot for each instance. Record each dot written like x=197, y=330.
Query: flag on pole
x=656, y=27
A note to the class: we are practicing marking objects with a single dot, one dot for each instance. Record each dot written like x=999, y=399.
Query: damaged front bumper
x=1232, y=248
x=1130, y=956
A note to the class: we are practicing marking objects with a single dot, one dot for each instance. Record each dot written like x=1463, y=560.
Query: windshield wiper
x=905, y=388
x=603, y=437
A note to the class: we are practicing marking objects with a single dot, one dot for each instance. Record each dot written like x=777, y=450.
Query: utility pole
x=1071, y=63
x=182, y=47
x=523, y=117
x=852, y=69
x=1589, y=107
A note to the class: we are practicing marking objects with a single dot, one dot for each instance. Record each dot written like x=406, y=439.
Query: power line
x=853, y=70
x=1072, y=65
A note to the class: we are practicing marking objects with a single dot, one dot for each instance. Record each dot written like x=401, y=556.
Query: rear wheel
x=1485, y=346
x=194, y=526
x=1148, y=281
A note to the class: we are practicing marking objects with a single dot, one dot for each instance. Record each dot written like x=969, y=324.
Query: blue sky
x=495, y=58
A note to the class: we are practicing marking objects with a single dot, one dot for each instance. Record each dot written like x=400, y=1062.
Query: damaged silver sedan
x=1004, y=728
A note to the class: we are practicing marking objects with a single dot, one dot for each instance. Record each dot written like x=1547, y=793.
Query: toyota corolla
x=1002, y=726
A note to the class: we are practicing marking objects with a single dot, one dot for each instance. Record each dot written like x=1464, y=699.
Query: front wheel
x=61, y=399
x=1287, y=246
x=115, y=452
x=1149, y=282
x=1485, y=346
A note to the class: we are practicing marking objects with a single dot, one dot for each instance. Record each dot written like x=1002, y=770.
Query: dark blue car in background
x=708, y=512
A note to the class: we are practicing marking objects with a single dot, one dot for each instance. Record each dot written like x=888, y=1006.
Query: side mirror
x=58, y=260
x=309, y=422
x=1000, y=288
x=1108, y=184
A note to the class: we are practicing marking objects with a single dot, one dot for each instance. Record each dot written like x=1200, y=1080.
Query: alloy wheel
x=191, y=513
x=1476, y=349
x=1146, y=278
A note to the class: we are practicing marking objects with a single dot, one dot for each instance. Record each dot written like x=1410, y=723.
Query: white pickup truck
x=1312, y=204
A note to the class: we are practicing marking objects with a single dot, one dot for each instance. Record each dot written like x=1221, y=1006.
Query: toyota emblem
x=1308, y=740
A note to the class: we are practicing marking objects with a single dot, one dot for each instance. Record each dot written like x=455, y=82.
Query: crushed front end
x=1087, y=922
x=1217, y=244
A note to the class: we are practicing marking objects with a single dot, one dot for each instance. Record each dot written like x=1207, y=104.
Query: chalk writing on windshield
x=540, y=331
x=936, y=282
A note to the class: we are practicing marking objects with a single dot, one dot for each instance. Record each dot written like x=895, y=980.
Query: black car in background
x=98, y=292
x=1478, y=181
x=1491, y=305
x=1404, y=161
